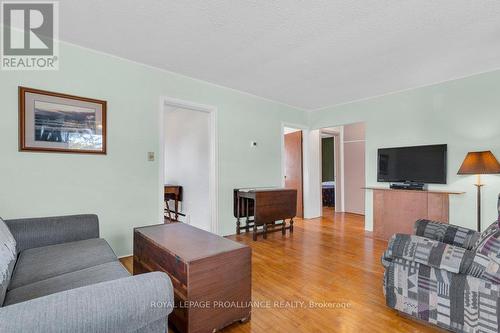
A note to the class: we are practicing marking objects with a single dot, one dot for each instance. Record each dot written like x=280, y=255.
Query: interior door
x=293, y=167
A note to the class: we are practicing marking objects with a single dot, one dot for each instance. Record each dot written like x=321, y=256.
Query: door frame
x=213, y=182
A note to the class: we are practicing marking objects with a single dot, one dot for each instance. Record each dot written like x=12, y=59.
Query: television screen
x=419, y=164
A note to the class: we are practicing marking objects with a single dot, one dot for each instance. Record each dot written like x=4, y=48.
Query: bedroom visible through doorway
x=328, y=171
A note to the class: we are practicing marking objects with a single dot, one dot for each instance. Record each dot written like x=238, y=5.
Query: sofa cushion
x=100, y=273
x=7, y=258
x=45, y=262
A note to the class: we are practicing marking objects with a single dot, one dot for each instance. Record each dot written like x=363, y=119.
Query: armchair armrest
x=486, y=264
x=486, y=268
x=37, y=232
x=123, y=305
x=429, y=252
x=447, y=233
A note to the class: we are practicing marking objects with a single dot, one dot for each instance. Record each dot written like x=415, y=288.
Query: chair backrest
x=8, y=258
x=491, y=230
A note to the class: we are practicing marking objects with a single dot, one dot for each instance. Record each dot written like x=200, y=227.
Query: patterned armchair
x=446, y=275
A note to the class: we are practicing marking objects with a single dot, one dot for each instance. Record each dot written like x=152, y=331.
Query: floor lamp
x=479, y=163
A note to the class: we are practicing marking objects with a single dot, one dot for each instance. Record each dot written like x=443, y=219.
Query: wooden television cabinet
x=395, y=211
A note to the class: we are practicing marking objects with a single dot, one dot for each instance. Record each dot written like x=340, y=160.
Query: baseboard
x=126, y=256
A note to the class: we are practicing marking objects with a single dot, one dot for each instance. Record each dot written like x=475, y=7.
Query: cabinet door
x=400, y=211
x=378, y=214
x=354, y=177
x=438, y=206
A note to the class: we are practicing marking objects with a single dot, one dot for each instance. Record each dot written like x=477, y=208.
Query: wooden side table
x=173, y=192
x=267, y=206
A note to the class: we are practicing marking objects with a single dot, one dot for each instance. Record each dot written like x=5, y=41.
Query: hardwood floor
x=329, y=260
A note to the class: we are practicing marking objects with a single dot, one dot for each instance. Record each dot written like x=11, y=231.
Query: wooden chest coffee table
x=211, y=275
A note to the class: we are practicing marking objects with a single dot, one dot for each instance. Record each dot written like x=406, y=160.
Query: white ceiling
x=309, y=54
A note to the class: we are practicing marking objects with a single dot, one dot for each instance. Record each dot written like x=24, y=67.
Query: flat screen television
x=418, y=164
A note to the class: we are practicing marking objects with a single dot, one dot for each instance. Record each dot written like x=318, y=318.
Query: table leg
x=283, y=228
x=254, y=232
x=247, y=206
x=168, y=211
x=291, y=225
x=176, y=205
x=265, y=231
x=238, y=213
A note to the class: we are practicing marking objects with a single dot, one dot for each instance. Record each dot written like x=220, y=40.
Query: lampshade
x=479, y=163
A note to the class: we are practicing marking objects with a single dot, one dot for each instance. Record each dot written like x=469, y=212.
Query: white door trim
x=213, y=182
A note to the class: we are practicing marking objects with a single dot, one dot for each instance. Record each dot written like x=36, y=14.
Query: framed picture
x=53, y=122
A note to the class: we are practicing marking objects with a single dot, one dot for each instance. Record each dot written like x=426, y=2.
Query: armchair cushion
x=456, y=302
x=46, y=262
x=447, y=233
x=37, y=232
x=429, y=252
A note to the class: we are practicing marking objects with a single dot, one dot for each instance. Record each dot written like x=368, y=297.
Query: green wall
x=327, y=161
x=465, y=114
x=123, y=187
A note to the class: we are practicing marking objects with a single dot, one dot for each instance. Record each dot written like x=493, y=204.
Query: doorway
x=342, y=189
x=328, y=171
x=188, y=159
x=293, y=164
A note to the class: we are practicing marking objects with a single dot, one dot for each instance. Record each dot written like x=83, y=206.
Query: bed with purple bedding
x=328, y=189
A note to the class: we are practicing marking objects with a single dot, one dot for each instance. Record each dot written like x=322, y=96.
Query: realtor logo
x=30, y=36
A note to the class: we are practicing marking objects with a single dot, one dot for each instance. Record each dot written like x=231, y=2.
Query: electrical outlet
x=151, y=156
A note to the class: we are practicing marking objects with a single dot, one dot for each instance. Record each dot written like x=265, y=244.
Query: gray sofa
x=57, y=275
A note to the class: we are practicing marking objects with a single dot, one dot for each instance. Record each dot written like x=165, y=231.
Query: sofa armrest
x=37, y=232
x=429, y=252
x=447, y=233
x=123, y=305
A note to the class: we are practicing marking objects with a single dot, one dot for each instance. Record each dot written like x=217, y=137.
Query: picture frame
x=61, y=123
